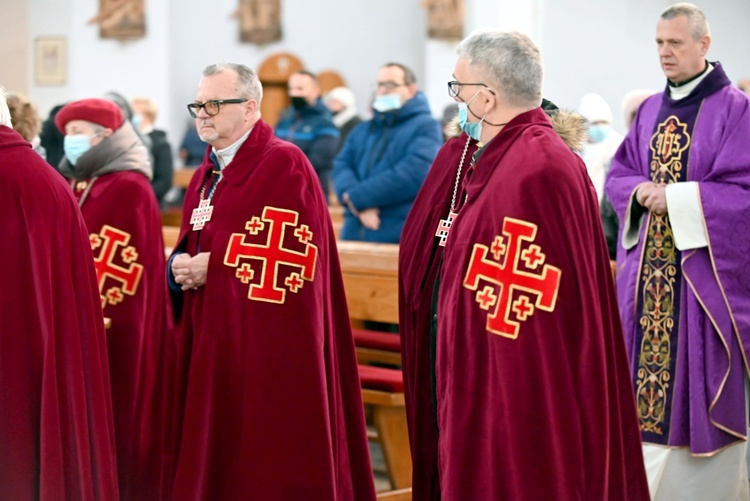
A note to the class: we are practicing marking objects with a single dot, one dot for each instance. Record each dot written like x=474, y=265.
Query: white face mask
x=387, y=102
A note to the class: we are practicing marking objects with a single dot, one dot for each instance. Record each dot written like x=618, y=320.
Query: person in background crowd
x=145, y=112
x=26, y=121
x=343, y=106
x=385, y=160
x=309, y=125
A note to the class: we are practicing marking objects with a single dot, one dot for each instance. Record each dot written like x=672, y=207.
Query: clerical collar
x=681, y=90
x=226, y=155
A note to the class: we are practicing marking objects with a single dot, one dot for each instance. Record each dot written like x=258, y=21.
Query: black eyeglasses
x=454, y=87
x=212, y=107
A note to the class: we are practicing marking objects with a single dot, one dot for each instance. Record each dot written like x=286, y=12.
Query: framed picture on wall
x=50, y=61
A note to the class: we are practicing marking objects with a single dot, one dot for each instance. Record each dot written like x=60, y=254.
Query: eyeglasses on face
x=389, y=85
x=454, y=87
x=212, y=107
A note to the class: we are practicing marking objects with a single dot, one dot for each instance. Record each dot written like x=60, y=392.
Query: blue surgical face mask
x=387, y=102
x=137, y=120
x=76, y=145
x=473, y=129
x=599, y=132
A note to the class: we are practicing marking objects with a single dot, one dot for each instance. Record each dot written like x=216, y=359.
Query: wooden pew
x=337, y=218
x=370, y=273
x=170, y=235
x=172, y=216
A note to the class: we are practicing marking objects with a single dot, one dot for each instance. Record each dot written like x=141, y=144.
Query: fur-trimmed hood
x=569, y=125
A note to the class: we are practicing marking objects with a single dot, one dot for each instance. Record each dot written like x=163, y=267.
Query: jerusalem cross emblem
x=265, y=259
x=128, y=277
x=516, y=280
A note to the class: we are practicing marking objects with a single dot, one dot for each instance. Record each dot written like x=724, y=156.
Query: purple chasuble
x=686, y=314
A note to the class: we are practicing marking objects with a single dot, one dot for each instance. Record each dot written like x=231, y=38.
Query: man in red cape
x=110, y=173
x=56, y=437
x=272, y=402
x=516, y=377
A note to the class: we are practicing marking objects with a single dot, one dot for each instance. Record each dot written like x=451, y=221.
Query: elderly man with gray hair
x=272, y=407
x=515, y=369
x=680, y=184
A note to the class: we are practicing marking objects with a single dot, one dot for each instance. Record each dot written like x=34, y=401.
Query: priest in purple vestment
x=680, y=185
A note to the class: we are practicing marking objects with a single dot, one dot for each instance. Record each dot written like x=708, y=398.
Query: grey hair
x=509, y=61
x=695, y=17
x=249, y=84
x=4, y=111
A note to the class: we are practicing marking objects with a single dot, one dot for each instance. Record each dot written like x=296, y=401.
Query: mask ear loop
x=482, y=119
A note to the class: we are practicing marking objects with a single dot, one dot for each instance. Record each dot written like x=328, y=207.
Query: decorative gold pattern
x=658, y=278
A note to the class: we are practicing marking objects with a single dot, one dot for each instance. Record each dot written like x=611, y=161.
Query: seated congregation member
x=272, y=400
x=56, y=437
x=110, y=173
x=384, y=160
x=515, y=369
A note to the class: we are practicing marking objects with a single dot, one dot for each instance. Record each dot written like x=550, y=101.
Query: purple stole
x=660, y=278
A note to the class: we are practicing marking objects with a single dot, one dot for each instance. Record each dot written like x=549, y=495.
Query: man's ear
x=252, y=107
x=106, y=132
x=705, y=44
x=490, y=100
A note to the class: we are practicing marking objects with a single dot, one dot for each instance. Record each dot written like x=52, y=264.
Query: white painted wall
x=609, y=48
x=588, y=45
x=14, y=51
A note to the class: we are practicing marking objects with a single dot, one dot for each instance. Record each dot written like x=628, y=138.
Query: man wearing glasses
x=384, y=161
x=268, y=384
x=514, y=365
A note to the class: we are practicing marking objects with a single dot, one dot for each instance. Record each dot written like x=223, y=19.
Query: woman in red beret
x=110, y=175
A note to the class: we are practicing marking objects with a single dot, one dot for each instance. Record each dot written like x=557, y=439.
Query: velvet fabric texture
x=56, y=435
x=532, y=394
x=271, y=395
x=708, y=410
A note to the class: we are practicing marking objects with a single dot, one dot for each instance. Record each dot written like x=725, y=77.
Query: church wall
x=610, y=56
x=14, y=51
x=609, y=47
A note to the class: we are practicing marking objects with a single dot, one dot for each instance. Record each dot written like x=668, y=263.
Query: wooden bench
x=170, y=235
x=337, y=218
x=370, y=273
x=172, y=216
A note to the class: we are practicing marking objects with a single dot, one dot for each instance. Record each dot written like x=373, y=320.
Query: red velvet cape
x=273, y=408
x=56, y=436
x=124, y=224
x=533, y=390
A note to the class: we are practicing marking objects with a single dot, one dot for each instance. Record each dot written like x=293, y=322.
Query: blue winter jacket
x=383, y=164
x=313, y=131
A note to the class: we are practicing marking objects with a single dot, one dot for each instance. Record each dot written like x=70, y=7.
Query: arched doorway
x=274, y=75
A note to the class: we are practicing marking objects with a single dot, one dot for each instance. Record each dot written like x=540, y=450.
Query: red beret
x=95, y=110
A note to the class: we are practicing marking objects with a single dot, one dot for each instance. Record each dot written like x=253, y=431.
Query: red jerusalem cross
x=273, y=254
x=105, y=267
x=507, y=276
